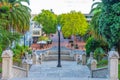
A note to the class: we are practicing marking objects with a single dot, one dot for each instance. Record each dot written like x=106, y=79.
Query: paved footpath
x=68, y=71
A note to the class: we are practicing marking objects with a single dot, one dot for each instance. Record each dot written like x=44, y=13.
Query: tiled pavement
x=64, y=42
x=68, y=71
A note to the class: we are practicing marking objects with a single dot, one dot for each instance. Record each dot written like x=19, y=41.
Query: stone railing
x=100, y=73
x=80, y=58
x=19, y=72
x=8, y=70
x=111, y=72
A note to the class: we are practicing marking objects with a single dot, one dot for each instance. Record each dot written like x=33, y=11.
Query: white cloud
x=60, y=6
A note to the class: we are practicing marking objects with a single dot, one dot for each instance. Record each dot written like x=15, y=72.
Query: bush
x=99, y=54
x=19, y=51
x=1, y=54
x=102, y=63
x=91, y=45
x=0, y=70
x=43, y=38
x=119, y=71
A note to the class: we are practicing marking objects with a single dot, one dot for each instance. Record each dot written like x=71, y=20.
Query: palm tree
x=96, y=7
x=94, y=22
x=14, y=15
x=17, y=14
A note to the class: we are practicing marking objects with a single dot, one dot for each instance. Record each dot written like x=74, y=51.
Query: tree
x=13, y=16
x=17, y=14
x=6, y=38
x=109, y=22
x=48, y=20
x=91, y=45
x=96, y=7
x=94, y=23
x=73, y=23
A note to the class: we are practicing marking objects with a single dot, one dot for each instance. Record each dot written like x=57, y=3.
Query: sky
x=60, y=6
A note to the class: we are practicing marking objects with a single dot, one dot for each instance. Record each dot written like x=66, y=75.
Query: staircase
x=69, y=71
x=53, y=55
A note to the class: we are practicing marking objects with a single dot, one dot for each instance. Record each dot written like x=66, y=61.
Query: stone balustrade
x=80, y=58
x=8, y=70
x=19, y=72
x=100, y=72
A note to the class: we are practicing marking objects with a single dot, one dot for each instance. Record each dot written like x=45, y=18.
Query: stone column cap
x=84, y=53
x=34, y=53
x=113, y=54
x=7, y=53
x=93, y=61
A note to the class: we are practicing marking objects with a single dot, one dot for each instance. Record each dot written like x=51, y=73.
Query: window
x=36, y=32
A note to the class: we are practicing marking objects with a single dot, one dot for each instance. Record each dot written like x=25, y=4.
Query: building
x=88, y=17
x=35, y=29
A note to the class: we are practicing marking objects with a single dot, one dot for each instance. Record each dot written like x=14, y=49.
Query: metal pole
x=24, y=40
x=59, y=59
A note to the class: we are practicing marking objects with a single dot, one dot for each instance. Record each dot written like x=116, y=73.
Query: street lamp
x=59, y=59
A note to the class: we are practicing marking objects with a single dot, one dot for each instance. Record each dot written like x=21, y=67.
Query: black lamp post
x=59, y=59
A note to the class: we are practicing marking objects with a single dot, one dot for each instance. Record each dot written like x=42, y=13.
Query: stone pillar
x=43, y=57
x=27, y=67
x=75, y=57
x=35, y=58
x=83, y=59
x=90, y=58
x=79, y=59
x=93, y=64
x=40, y=58
x=7, y=64
x=26, y=55
x=113, y=65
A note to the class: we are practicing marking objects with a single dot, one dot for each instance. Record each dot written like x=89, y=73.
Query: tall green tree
x=48, y=20
x=96, y=7
x=16, y=13
x=96, y=10
x=73, y=23
x=13, y=16
x=109, y=22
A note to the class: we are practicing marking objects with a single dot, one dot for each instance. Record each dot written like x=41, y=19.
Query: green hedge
x=0, y=70
x=119, y=71
x=102, y=63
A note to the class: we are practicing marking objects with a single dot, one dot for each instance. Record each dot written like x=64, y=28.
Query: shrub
x=91, y=45
x=99, y=53
x=102, y=63
x=19, y=51
x=43, y=38
x=0, y=70
x=119, y=71
x=1, y=54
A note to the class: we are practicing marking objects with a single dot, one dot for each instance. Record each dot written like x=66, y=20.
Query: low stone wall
x=19, y=72
x=100, y=72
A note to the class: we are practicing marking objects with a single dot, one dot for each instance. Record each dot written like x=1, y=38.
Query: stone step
x=62, y=52
x=55, y=57
x=58, y=79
